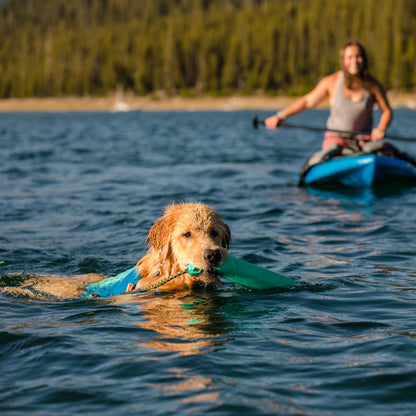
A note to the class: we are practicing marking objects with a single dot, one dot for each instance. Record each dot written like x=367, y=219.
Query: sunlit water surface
x=78, y=193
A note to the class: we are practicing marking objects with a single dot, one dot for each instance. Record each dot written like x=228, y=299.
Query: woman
x=352, y=94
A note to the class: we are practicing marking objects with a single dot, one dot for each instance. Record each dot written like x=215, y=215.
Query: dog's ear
x=159, y=234
x=159, y=237
x=226, y=240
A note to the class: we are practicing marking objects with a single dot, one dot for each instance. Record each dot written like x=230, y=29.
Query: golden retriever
x=187, y=233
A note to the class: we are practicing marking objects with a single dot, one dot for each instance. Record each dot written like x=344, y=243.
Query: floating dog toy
x=235, y=270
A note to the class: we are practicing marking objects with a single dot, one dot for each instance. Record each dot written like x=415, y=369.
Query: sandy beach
x=134, y=103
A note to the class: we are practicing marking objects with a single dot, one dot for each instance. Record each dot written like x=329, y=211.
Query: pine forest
x=195, y=47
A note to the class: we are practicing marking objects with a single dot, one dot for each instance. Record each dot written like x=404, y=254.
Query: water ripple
x=79, y=193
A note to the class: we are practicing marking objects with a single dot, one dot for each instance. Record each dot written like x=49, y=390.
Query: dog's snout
x=214, y=257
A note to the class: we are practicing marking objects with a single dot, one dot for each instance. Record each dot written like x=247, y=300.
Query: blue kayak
x=361, y=172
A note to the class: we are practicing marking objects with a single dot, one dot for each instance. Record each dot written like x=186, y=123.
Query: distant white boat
x=120, y=106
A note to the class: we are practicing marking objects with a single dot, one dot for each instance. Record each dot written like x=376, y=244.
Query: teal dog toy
x=112, y=286
x=235, y=270
x=252, y=276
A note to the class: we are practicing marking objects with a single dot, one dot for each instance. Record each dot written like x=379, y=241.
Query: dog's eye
x=214, y=233
x=187, y=234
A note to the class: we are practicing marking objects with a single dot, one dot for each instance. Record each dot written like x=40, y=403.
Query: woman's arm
x=321, y=92
x=380, y=98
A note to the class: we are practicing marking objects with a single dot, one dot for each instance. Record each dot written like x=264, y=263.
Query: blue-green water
x=78, y=193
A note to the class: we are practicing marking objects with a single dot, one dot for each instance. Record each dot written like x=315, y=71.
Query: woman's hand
x=377, y=134
x=273, y=122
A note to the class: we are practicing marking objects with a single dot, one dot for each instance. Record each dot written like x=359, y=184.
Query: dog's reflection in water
x=185, y=323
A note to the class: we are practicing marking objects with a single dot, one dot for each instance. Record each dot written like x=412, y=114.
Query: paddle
x=355, y=134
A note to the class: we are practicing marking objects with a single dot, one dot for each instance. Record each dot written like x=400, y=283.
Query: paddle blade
x=252, y=276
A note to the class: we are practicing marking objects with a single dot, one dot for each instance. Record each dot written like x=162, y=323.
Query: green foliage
x=189, y=47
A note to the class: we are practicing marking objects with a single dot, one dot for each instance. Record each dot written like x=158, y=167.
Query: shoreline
x=135, y=103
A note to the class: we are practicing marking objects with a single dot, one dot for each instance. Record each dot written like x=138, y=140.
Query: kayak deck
x=361, y=171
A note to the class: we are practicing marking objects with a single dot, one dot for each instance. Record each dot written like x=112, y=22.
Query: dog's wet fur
x=187, y=233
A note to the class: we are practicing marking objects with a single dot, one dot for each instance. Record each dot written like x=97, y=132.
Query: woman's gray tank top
x=348, y=115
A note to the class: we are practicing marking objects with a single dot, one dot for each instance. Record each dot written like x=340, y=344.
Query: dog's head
x=191, y=233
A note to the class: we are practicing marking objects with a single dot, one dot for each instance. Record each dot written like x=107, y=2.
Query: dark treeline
x=91, y=47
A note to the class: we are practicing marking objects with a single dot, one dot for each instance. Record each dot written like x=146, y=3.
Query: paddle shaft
x=355, y=134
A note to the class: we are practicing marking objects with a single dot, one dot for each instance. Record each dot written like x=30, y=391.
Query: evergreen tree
x=79, y=47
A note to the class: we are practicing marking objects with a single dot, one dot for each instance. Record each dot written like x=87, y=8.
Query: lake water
x=78, y=194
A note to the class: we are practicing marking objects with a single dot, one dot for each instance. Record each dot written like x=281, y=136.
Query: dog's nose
x=213, y=256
